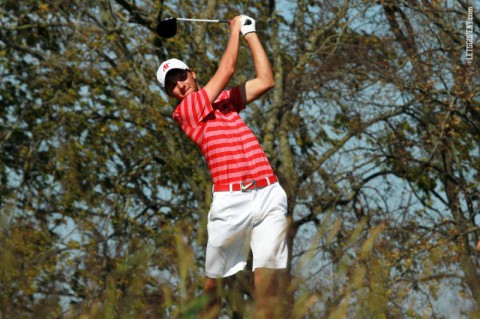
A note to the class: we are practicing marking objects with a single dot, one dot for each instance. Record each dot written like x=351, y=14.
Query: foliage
x=372, y=128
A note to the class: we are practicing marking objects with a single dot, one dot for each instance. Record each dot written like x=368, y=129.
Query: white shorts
x=238, y=221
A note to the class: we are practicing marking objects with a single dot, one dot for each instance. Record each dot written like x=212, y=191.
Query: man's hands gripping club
x=247, y=25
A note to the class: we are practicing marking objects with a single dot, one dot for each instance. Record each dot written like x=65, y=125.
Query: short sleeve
x=236, y=99
x=231, y=99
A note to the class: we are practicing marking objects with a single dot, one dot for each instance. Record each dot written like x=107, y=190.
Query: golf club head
x=167, y=28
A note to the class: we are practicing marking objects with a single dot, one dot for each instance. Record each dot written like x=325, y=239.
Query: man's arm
x=264, y=80
x=228, y=62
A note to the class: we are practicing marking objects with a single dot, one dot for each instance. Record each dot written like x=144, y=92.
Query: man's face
x=181, y=83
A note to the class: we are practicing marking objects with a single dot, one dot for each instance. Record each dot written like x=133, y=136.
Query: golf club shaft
x=203, y=20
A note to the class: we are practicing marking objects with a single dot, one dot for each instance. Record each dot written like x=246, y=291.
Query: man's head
x=177, y=80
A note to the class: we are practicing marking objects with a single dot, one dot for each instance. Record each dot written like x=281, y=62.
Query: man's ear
x=193, y=74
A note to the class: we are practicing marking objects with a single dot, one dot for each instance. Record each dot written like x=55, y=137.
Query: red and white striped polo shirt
x=232, y=152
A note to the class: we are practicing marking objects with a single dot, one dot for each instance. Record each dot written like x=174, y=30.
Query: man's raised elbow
x=270, y=84
x=266, y=86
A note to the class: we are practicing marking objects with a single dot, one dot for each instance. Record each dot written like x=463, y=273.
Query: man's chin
x=190, y=91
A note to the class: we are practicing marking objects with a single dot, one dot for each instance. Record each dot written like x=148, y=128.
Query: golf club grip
x=203, y=20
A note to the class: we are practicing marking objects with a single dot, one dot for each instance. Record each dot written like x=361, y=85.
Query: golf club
x=168, y=27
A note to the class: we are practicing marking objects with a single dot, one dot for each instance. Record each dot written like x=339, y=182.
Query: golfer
x=249, y=206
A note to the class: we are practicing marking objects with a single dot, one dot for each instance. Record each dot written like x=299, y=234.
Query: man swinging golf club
x=249, y=205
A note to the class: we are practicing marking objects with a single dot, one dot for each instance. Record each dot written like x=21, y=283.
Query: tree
x=372, y=129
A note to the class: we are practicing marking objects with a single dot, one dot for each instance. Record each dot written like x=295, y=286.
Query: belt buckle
x=245, y=185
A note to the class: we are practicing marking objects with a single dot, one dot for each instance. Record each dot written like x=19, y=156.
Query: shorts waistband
x=247, y=185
